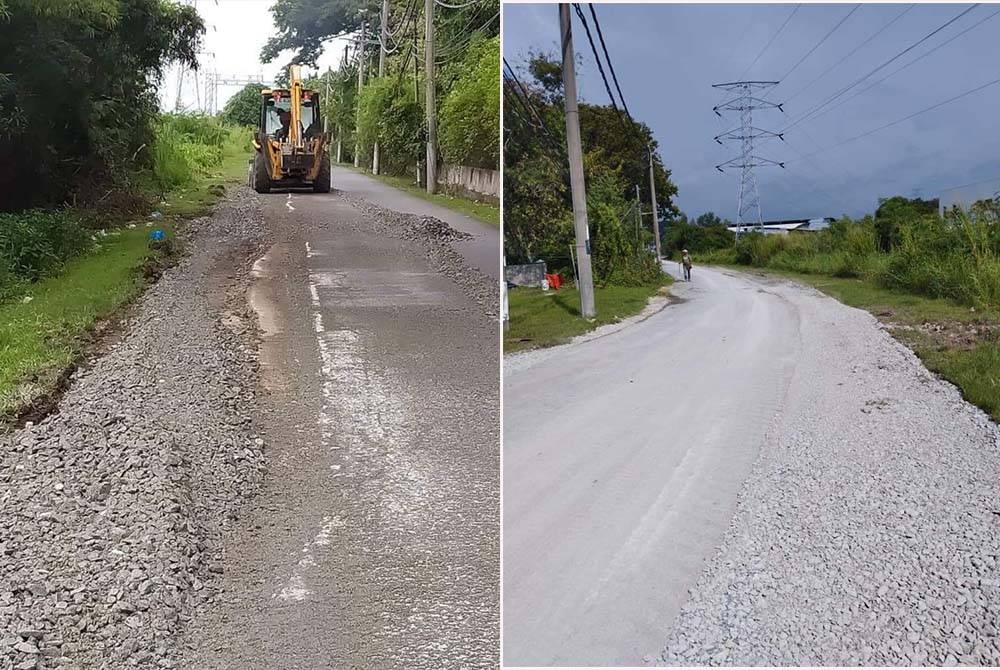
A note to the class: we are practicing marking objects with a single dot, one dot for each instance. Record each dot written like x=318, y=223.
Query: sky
x=236, y=32
x=668, y=56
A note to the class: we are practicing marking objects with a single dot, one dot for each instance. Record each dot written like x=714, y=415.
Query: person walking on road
x=686, y=262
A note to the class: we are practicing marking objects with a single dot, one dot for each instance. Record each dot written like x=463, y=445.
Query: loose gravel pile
x=112, y=508
x=436, y=236
x=869, y=532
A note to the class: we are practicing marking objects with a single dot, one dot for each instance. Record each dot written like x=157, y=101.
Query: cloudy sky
x=668, y=56
x=236, y=32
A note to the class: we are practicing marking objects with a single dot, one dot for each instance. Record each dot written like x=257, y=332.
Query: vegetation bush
x=34, y=244
x=695, y=238
x=243, y=109
x=619, y=257
x=188, y=145
x=470, y=114
x=956, y=256
x=77, y=98
x=387, y=114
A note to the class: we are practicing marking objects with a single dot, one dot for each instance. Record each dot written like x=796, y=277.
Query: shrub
x=389, y=115
x=470, y=114
x=36, y=243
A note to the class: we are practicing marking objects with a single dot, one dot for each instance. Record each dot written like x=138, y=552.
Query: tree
x=896, y=212
x=304, y=25
x=470, y=114
x=78, y=100
x=708, y=219
x=387, y=114
x=625, y=145
x=243, y=109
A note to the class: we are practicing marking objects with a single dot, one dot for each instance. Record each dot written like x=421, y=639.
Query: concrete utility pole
x=652, y=196
x=383, y=45
x=575, y=150
x=361, y=82
x=431, y=103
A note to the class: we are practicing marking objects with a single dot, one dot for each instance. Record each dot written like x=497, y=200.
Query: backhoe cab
x=291, y=144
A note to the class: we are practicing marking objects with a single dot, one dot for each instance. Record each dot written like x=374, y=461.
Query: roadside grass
x=955, y=341
x=40, y=340
x=546, y=318
x=482, y=211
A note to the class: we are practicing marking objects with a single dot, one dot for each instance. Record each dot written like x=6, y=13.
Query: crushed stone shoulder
x=869, y=530
x=113, y=505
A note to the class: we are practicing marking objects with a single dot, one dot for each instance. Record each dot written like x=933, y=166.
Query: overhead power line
x=813, y=111
x=818, y=44
x=852, y=52
x=604, y=47
x=770, y=42
x=903, y=67
x=600, y=66
x=908, y=117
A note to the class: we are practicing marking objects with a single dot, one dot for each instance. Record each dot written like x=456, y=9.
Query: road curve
x=481, y=251
x=623, y=457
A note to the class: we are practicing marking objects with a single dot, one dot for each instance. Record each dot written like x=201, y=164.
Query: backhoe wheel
x=261, y=179
x=322, y=183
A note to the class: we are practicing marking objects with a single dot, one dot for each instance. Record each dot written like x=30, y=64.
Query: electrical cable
x=607, y=57
x=839, y=93
x=903, y=67
x=771, y=41
x=818, y=44
x=853, y=51
x=908, y=117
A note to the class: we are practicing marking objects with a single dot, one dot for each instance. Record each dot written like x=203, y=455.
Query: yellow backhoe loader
x=292, y=147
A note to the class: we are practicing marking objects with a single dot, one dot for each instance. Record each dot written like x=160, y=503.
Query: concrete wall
x=470, y=182
x=525, y=275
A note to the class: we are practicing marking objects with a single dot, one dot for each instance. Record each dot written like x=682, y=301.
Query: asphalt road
x=482, y=252
x=375, y=542
x=623, y=457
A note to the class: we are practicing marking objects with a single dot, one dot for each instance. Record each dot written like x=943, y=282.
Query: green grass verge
x=546, y=318
x=40, y=339
x=482, y=211
x=959, y=343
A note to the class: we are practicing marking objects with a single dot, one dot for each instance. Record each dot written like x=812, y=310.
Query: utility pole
x=340, y=130
x=652, y=197
x=431, y=167
x=383, y=44
x=638, y=213
x=357, y=105
x=575, y=151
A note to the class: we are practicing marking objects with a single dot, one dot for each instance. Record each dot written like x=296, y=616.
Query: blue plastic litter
x=157, y=235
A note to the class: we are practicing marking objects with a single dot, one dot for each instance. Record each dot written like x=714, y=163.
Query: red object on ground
x=555, y=281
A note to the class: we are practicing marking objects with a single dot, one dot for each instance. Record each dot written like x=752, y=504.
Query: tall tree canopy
x=78, y=97
x=537, y=201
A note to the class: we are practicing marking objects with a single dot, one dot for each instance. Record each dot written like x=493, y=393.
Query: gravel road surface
x=111, y=509
x=757, y=475
x=869, y=532
x=312, y=482
x=375, y=540
x=481, y=243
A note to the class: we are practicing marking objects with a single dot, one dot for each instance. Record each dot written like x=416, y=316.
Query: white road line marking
x=288, y=203
x=295, y=589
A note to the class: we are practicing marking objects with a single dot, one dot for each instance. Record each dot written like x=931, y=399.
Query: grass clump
x=540, y=318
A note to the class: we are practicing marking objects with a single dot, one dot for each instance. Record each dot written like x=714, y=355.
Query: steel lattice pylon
x=748, y=211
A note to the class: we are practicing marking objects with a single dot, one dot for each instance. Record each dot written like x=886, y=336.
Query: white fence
x=471, y=182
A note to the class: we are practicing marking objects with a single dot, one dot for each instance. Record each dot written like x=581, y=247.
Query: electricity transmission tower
x=745, y=101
